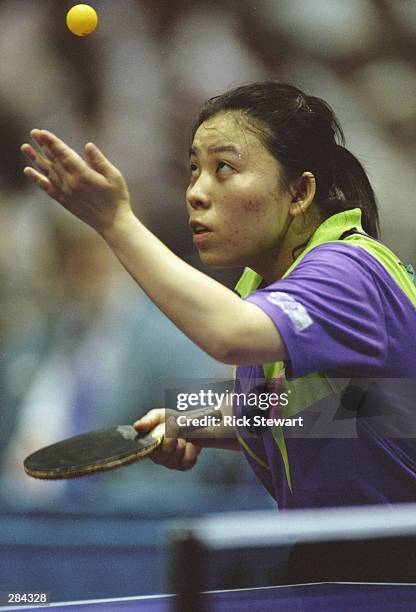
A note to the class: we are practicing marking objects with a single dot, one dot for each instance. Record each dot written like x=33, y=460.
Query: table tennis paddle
x=103, y=449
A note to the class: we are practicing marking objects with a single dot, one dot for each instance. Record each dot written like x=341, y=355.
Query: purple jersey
x=339, y=311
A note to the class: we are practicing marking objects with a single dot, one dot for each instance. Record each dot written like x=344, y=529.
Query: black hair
x=303, y=134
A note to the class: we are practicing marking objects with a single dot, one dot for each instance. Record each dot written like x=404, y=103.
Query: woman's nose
x=197, y=195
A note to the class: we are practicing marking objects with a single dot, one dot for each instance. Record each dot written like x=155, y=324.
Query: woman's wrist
x=122, y=225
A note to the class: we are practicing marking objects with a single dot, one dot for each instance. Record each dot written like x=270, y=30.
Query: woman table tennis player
x=273, y=189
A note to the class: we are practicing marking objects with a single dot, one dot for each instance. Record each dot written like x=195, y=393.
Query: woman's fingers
x=98, y=161
x=58, y=152
x=92, y=189
x=46, y=161
x=150, y=420
x=36, y=158
x=48, y=170
x=39, y=179
x=61, y=164
x=175, y=453
x=68, y=160
x=178, y=454
x=170, y=452
x=43, y=182
x=190, y=455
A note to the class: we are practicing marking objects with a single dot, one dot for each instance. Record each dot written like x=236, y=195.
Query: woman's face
x=238, y=209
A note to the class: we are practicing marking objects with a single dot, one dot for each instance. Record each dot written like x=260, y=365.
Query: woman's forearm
x=207, y=312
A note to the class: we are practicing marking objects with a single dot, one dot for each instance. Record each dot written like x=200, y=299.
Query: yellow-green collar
x=331, y=229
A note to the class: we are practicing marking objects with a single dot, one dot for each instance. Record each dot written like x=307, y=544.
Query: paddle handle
x=195, y=419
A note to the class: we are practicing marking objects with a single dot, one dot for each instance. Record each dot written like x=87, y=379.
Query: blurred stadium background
x=81, y=346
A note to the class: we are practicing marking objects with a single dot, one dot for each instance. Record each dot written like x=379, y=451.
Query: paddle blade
x=100, y=450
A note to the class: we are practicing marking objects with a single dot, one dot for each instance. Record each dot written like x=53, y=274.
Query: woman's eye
x=223, y=166
x=193, y=168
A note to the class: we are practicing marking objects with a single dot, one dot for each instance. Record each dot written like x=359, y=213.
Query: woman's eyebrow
x=229, y=148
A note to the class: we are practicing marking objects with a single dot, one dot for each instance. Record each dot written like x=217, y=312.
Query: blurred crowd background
x=81, y=346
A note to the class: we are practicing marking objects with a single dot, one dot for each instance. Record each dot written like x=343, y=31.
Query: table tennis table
x=202, y=549
x=337, y=597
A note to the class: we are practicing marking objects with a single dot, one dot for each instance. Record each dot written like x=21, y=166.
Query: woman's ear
x=303, y=192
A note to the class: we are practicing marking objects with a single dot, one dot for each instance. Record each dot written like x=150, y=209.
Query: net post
x=187, y=572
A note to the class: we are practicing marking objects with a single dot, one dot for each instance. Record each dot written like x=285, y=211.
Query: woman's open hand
x=92, y=188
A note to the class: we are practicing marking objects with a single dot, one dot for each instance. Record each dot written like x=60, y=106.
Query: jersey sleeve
x=329, y=313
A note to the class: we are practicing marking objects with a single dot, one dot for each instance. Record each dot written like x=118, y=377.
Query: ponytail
x=351, y=189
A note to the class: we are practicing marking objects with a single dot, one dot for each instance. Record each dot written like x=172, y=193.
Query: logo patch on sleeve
x=296, y=312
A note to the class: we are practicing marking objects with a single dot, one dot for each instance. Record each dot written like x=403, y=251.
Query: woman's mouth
x=200, y=232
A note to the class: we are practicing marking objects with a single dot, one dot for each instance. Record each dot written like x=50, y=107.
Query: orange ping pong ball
x=81, y=19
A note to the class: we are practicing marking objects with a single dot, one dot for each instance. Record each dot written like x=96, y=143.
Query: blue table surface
x=311, y=597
